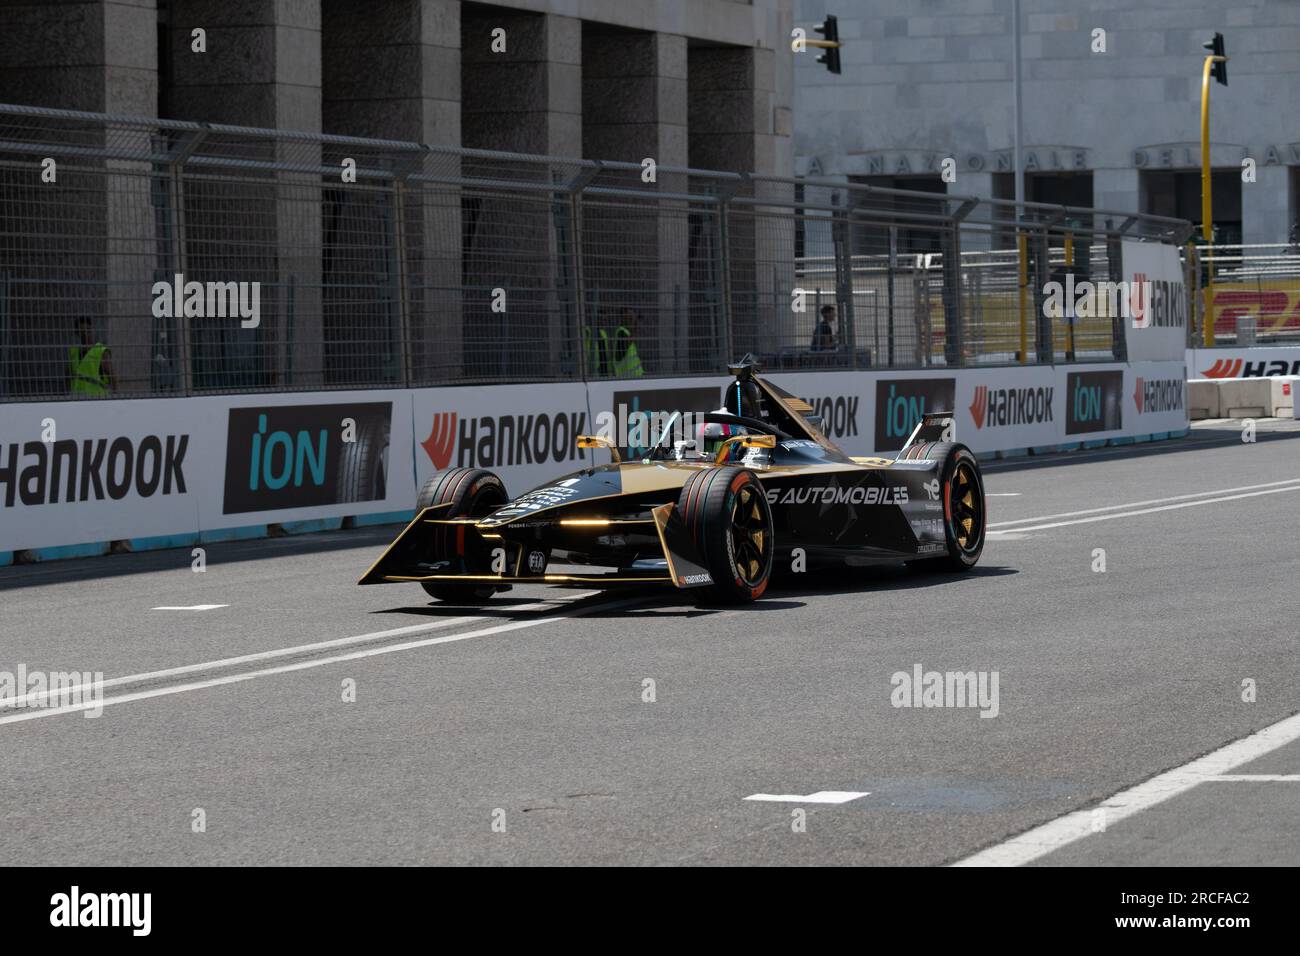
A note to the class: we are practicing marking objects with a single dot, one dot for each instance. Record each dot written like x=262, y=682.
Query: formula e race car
x=751, y=488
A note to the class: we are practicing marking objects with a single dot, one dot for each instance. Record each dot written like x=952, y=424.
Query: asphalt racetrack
x=528, y=732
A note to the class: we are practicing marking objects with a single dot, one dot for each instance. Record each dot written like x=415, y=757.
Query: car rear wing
x=933, y=427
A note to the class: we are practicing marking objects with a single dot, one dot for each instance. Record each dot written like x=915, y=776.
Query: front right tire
x=730, y=522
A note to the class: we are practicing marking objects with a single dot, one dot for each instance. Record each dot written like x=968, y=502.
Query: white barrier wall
x=78, y=472
x=1155, y=327
x=1256, y=362
x=73, y=473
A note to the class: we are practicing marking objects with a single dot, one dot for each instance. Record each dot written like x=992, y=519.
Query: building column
x=634, y=109
x=521, y=83
x=393, y=72
x=733, y=127
x=99, y=56
x=526, y=98
x=262, y=68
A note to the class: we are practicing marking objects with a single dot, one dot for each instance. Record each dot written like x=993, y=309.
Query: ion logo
x=294, y=456
x=900, y=403
x=1093, y=402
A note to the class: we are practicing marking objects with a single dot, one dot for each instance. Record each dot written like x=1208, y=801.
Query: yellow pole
x=1069, y=322
x=1207, y=227
x=1022, y=243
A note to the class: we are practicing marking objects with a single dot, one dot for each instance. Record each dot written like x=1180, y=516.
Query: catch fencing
x=1252, y=292
x=215, y=259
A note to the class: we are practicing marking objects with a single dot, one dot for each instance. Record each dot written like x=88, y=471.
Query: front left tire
x=471, y=493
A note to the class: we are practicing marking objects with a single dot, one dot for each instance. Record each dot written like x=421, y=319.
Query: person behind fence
x=615, y=356
x=90, y=371
x=823, y=339
x=626, y=359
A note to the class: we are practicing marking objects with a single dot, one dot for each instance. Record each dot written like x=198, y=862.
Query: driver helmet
x=709, y=436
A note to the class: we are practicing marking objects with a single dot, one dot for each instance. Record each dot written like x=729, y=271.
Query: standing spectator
x=823, y=339
x=624, y=359
x=90, y=371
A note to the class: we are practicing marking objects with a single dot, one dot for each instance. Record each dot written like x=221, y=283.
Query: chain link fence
x=210, y=258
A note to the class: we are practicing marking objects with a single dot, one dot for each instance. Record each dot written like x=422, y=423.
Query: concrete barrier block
x=1203, y=398
x=1283, y=395
x=1245, y=398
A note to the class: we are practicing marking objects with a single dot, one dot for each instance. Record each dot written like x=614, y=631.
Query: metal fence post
x=954, y=322
x=891, y=275
x=581, y=332
x=403, y=290
x=176, y=161
x=843, y=274
x=724, y=275
x=1046, y=348
x=1115, y=268
x=6, y=348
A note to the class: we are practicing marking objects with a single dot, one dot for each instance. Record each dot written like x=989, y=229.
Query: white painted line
x=38, y=698
x=1042, y=840
x=1257, y=778
x=1141, y=504
x=190, y=607
x=1001, y=494
x=305, y=665
x=1144, y=511
x=1186, y=443
x=821, y=796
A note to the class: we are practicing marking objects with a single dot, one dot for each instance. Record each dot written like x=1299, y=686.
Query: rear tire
x=730, y=523
x=472, y=493
x=964, y=511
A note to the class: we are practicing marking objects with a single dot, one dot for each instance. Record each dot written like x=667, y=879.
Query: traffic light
x=830, y=30
x=1218, y=69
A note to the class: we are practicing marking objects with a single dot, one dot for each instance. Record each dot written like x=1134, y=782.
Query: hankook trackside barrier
x=76, y=477
x=1243, y=362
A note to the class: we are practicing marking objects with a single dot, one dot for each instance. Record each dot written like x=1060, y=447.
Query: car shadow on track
x=657, y=604
x=869, y=580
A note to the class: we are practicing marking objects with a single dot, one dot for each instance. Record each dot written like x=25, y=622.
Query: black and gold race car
x=761, y=490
